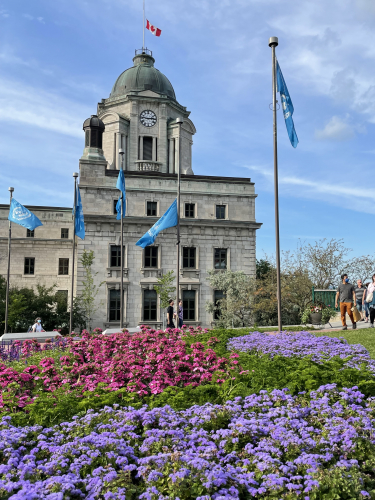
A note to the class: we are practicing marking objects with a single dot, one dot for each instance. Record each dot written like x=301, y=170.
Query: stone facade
x=217, y=229
x=47, y=246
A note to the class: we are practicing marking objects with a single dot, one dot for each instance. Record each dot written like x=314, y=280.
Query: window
x=218, y=295
x=116, y=255
x=29, y=265
x=62, y=300
x=220, y=261
x=147, y=148
x=152, y=207
x=64, y=266
x=29, y=233
x=220, y=211
x=149, y=305
x=188, y=302
x=114, y=206
x=190, y=210
x=64, y=233
x=151, y=257
x=188, y=257
x=114, y=305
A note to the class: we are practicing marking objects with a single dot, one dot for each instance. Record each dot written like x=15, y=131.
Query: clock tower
x=140, y=118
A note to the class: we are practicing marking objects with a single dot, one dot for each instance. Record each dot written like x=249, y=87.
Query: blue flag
x=121, y=186
x=79, y=222
x=169, y=219
x=287, y=105
x=20, y=215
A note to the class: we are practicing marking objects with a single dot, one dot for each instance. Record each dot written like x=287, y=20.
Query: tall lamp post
x=121, y=153
x=10, y=189
x=273, y=43
x=180, y=121
x=75, y=175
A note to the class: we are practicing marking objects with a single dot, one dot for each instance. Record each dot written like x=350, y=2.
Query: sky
x=59, y=59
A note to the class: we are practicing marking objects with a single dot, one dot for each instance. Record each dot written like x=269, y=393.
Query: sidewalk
x=335, y=324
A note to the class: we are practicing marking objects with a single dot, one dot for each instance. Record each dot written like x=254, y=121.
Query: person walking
x=359, y=291
x=371, y=303
x=346, y=295
x=180, y=314
x=365, y=304
x=170, y=323
x=37, y=326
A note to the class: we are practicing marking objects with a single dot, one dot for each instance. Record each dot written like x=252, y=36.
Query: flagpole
x=143, y=46
x=10, y=189
x=273, y=43
x=75, y=175
x=180, y=122
x=121, y=153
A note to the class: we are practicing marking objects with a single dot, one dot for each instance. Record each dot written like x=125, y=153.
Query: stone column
x=171, y=156
x=133, y=137
x=123, y=146
x=154, y=149
x=176, y=152
x=141, y=147
x=118, y=146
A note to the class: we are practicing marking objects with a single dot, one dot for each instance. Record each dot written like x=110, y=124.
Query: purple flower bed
x=302, y=344
x=262, y=446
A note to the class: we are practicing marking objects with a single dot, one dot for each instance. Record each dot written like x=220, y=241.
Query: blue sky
x=58, y=59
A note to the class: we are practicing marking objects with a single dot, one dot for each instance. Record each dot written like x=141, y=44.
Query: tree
x=86, y=300
x=25, y=304
x=165, y=290
x=235, y=307
x=296, y=288
x=325, y=261
x=361, y=268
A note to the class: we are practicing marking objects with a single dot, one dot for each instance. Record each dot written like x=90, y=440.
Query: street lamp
x=179, y=121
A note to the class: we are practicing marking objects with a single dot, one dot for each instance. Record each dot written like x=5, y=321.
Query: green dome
x=143, y=76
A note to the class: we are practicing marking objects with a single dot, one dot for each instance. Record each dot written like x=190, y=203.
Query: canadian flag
x=154, y=30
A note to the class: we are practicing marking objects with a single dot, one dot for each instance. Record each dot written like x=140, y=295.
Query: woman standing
x=365, y=304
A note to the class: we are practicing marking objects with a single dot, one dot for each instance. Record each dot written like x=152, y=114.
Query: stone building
x=218, y=226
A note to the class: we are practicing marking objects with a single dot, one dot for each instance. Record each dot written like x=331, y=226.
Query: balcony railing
x=151, y=166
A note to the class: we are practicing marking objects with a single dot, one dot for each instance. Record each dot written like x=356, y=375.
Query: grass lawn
x=366, y=337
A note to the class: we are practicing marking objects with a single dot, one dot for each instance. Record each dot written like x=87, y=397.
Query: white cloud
x=38, y=108
x=29, y=17
x=352, y=196
x=335, y=130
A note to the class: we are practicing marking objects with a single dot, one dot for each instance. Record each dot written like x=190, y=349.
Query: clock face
x=148, y=118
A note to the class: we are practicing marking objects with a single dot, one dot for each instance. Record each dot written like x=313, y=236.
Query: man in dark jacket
x=346, y=296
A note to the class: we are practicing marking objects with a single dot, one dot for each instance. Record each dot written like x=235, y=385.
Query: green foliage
x=327, y=313
x=89, y=289
x=25, y=304
x=164, y=289
x=235, y=308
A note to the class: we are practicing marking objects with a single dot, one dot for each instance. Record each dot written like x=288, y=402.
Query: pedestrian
x=180, y=314
x=37, y=326
x=346, y=295
x=371, y=303
x=170, y=323
x=359, y=291
x=365, y=304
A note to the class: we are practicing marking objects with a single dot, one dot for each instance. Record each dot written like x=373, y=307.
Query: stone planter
x=316, y=318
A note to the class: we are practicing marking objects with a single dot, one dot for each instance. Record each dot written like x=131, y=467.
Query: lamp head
x=11, y=189
x=121, y=152
x=273, y=41
x=75, y=175
x=180, y=120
